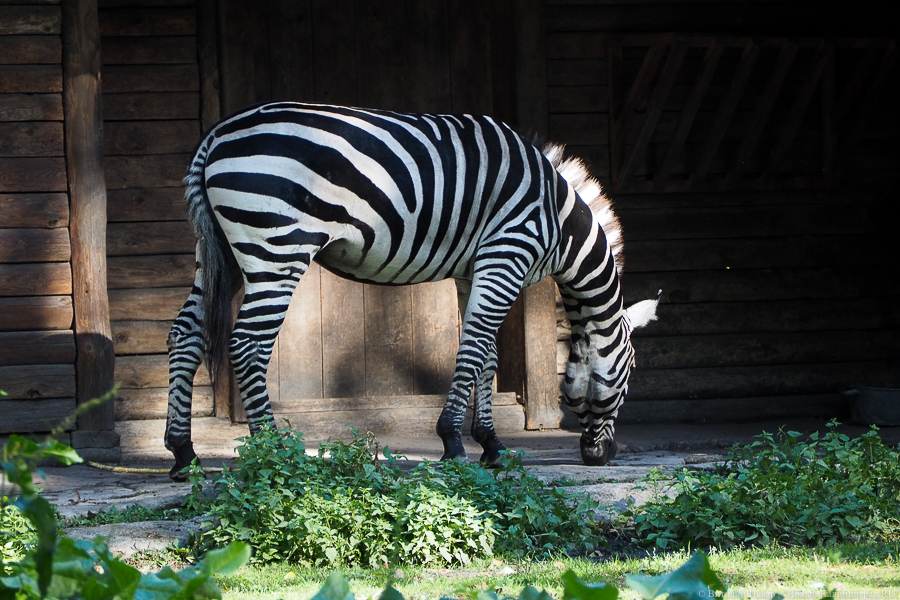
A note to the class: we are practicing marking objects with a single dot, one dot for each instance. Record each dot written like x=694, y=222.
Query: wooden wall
x=755, y=180
x=151, y=120
x=37, y=342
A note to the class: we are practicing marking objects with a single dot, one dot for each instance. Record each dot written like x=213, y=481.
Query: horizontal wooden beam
x=35, y=210
x=156, y=170
x=148, y=371
x=164, y=271
x=34, y=245
x=33, y=175
x=141, y=337
x=31, y=107
x=135, y=239
x=150, y=106
x=158, y=304
x=30, y=79
x=37, y=348
x=34, y=416
x=35, y=313
x=150, y=21
x=36, y=279
x=30, y=49
x=30, y=20
x=38, y=381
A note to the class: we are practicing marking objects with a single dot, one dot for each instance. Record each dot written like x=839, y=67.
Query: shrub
x=783, y=489
x=352, y=509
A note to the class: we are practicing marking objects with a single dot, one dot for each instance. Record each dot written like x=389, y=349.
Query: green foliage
x=16, y=535
x=48, y=566
x=352, y=509
x=783, y=489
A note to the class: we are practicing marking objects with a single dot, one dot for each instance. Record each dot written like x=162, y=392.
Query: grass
x=131, y=514
x=854, y=571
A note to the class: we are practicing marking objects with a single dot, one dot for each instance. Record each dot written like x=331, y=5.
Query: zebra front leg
x=487, y=301
x=185, y=344
x=483, y=420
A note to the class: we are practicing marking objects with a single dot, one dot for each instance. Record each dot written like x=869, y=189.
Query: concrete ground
x=551, y=455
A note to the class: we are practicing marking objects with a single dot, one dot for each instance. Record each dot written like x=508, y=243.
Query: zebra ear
x=641, y=313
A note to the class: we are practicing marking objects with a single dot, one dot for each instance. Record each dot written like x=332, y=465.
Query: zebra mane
x=588, y=188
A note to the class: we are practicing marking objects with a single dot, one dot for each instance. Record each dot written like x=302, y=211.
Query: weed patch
x=344, y=507
x=781, y=488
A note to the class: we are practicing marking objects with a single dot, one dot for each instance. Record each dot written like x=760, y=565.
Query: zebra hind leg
x=186, y=346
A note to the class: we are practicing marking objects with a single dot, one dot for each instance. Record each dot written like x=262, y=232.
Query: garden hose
x=142, y=470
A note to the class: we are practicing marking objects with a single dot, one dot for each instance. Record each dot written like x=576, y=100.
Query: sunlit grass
x=862, y=571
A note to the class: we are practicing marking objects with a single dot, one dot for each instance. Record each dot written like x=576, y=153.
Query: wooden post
x=527, y=340
x=95, y=359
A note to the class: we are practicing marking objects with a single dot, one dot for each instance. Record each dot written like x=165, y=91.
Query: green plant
x=58, y=567
x=130, y=514
x=350, y=508
x=781, y=488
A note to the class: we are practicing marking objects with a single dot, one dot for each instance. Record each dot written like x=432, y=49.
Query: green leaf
x=42, y=516
x=390, y=592
x=530, y=593
x=336, y=587
x=226, y=560
x=694, y=579
x=575, y=589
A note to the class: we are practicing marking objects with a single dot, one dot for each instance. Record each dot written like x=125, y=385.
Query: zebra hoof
x=599, y=453
x=454, y=449
x=184, y=456
x=493, y=449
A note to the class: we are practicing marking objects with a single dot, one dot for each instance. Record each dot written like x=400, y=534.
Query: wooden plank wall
x=37, y=343
x=344, y=340
x=151, y=120
x=774, y=300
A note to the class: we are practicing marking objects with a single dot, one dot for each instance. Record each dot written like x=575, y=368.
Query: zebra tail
x=215, y=275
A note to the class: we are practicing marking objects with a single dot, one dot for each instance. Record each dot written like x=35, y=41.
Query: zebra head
x=600, y=361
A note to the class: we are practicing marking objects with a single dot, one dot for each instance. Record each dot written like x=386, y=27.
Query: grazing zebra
x=388, y=198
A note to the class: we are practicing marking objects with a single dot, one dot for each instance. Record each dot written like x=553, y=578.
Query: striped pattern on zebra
x=390, y=198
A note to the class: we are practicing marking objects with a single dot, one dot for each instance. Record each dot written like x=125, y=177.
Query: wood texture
x=140, y=337
x=30, y=107
x=35, y=313
x=38, y=381
x=136, y=239
x=150, y=137
x=300, y=341
x=30, y=79
x=34, y=210
x=34, y=245
x=156, y=170
x=150, y=106
x=343, y=340
x=30, y=50
x=150, y=78
x=155, y=21
x=87, y=192
x=35, y=416
x=145, y=204
x=32, y=175
x=164, y=49
x=37, y=348
x=36, y=279
x=30, y=20
x=149, y=371
x=435, y=336
x=164, y=271
x=160, y=304
x=152, y=403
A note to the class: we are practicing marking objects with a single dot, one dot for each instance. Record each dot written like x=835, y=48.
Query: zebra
x=394, y=199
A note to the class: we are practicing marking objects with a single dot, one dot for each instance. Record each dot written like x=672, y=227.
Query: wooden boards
x=37, y=341
x=151, y=113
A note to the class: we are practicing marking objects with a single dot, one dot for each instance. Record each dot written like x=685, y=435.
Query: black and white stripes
x=391, y=198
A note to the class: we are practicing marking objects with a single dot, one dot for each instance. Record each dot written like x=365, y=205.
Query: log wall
x=37, y=341
x=757, y=194
x=151, y=120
